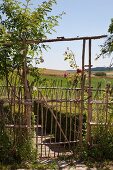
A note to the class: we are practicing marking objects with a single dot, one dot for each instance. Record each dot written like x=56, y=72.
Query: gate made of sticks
x=61, y=115
x=58, y=114
x=58, y=120
x=66, y=129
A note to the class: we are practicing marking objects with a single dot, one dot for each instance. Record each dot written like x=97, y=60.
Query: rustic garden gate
x=57, y=118
x=63, y=116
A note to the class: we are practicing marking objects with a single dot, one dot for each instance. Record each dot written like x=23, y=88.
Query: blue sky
x=83, y=18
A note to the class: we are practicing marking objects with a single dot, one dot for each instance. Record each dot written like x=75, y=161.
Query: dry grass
x=109, y=73
x=60, y=73
x=52, y=72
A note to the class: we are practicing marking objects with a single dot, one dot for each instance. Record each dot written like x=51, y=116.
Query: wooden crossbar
x=58, y=39
x=65, y=39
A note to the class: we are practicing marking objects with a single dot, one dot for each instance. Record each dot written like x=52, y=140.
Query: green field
x=102, y=80
x=57, y=81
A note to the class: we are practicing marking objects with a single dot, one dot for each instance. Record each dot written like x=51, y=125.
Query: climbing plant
x=20, y=26
x=107, y=47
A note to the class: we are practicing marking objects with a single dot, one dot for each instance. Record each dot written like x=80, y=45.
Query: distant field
x=52, y=72
x=109, y=73
x=56, y=77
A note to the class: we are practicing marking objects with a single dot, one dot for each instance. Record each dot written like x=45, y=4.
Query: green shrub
x=102, y=147
x=103, y=138
x=5, y=146
x=17, y=151
x=100, y=74
x=16, y=145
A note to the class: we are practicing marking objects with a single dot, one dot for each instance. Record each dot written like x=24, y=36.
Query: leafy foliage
x=20, y=26
x=107, y=47
x=100, y=74
x=70, y=57
x=16, y=146
x=104, y=144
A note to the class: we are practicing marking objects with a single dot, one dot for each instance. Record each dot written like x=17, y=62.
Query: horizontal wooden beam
x=58, y=39
x=101, y=124
x=58, y=143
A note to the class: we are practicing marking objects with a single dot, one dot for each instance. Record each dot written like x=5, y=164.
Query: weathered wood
x=55, y=119
x=65, y=39
x=101, y=124
x=89, y=98
x=9, y=43
x=88, y=66
x=82, y=93
x=59, y=143
x=16, y=126
x=100, y=102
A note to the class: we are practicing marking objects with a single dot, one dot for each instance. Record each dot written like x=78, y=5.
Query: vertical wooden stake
x=89, y=117
x=106, y=104
x=82, y=94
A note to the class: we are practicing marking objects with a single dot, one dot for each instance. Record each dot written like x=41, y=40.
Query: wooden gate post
x=82, y=95
x=89, y=116
x=1, y=110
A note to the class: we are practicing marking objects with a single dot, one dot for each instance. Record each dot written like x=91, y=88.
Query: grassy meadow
x=56, y=78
